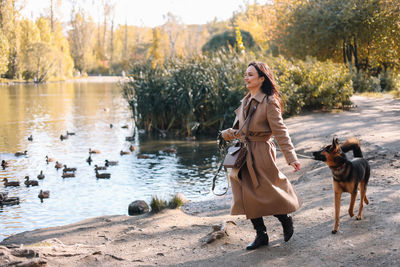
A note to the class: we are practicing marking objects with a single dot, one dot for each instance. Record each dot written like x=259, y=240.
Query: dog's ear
x=335, y=144
x=336, y=140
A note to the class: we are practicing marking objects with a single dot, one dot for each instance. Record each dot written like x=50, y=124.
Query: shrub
x=157, y=204
x=361, y=82
x=175, y=202
x=387, y=81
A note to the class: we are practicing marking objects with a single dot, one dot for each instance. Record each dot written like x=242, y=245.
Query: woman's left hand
x=296, y=165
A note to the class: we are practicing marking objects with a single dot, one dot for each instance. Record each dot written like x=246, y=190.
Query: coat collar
x=259, y=97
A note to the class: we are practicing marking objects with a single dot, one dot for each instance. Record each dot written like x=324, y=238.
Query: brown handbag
x=236, y=155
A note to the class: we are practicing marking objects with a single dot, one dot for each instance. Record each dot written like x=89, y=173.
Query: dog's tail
x=354, y=145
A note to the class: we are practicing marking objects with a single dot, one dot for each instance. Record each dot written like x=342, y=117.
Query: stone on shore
x=138, y=207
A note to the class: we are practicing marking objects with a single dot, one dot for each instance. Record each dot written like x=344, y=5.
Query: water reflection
x=88, y=109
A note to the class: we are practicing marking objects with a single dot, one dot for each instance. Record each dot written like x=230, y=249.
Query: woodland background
x=189, y=78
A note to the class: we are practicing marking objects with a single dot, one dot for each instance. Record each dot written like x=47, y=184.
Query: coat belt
x=249, y=158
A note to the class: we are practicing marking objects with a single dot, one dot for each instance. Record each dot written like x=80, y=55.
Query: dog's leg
x=352, y=202
x=338, y=196
x=366, y=201
x=363, y=192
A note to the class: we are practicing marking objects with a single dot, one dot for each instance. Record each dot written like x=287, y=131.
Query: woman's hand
x=296, y=165
x=228, y=134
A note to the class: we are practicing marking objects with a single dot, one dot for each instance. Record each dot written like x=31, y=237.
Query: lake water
x=46, y=111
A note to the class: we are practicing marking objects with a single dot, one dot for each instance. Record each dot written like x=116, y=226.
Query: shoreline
x=177, y=237
x=90, y=79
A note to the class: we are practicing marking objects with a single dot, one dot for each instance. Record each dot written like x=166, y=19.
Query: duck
x=141, y=156
x=3, y=195
x=30, y=138
x=110, y=163
x=68, y=175
x=102, y=175
x=63, y=137
x=89, y=159
x=4, y=164
x=94, y=151
x=49, y=159
x=125, y=126
x=4, y=200
x=12, y=183
x=40, y=176
x=17, y=154
x=70, y=133
x=58, y=165
x=124, y=153
x=170, y=150
x=132, y=148
x=30, y=182
x=66, y=169
x=130, y=138
x=43, y=194
x=98, y=168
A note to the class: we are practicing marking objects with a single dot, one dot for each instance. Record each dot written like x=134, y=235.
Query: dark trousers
x=258, y=223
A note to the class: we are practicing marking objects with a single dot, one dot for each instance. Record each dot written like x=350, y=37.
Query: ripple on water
x=46, y=112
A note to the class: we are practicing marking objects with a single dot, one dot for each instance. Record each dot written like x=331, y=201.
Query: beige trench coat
x=260, y=189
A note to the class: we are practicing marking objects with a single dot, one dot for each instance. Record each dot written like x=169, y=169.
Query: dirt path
x=176, y=237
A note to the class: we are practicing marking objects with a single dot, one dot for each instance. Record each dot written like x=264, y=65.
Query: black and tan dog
x=348, y=175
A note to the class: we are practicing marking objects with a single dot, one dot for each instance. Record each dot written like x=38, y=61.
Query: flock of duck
x=67, y=172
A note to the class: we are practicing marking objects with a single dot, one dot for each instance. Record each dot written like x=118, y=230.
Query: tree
x=40, y=61
x=173, y=28
x=9, y=24
x=154, y=53
x=226, y=39
x=259, y=21
x=3, y=53
x=356, y=32
x=81, y=38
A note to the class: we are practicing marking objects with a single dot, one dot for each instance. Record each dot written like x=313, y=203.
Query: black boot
x=262, y=237
x=287, y=225
x=261, y=240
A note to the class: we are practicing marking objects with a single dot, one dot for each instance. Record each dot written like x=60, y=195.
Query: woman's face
x=252, y=79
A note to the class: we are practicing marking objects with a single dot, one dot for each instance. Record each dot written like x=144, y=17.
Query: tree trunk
x=51, y=16
x=124, y=56
x=355, y=54
x=112, y=40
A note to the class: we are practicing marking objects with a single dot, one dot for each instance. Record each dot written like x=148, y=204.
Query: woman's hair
x=269, y=86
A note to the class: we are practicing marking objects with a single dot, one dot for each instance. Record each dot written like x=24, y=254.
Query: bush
x=361, y=82
x=175, y=202
x=157, y=204
x=312, y=84
x=388, y=81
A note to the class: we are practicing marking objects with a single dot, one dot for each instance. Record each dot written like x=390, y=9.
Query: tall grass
x=199, y=94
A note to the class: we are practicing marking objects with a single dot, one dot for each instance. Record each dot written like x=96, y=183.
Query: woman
x=259, y=188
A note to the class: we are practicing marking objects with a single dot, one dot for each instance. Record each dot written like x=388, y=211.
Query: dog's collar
x=339, y=168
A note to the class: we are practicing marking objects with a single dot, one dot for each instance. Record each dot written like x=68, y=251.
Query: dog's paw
x=351, y=213
x=334, y=231
x=358, y=218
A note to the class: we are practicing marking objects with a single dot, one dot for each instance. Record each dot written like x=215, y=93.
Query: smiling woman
x=259, y=188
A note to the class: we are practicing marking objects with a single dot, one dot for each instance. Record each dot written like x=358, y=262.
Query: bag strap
x=247, y=118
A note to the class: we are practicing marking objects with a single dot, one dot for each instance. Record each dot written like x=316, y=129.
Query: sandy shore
x=177, y=237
